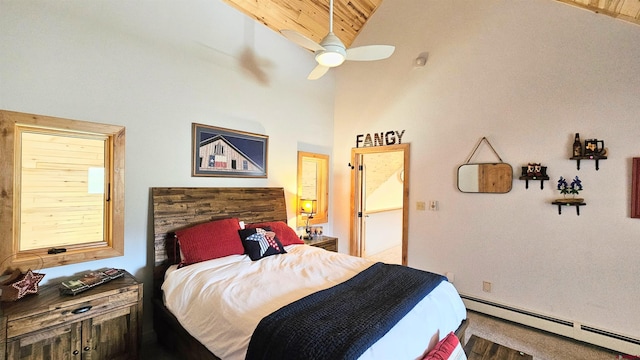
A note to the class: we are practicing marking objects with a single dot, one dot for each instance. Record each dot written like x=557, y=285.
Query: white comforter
x=220, y=302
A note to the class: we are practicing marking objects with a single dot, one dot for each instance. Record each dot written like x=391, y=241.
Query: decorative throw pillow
x=211, y=240
x=260, y=242
x=285, y=234
x=448, y=348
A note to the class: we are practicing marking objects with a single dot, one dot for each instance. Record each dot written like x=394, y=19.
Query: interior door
x=379, y=211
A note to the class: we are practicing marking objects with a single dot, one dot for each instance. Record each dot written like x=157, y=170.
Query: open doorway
x=380, y=203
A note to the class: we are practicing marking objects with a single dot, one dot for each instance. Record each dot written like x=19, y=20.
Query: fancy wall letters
x=392, y=137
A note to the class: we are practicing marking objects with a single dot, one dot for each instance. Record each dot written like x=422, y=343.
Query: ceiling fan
x=331, y=52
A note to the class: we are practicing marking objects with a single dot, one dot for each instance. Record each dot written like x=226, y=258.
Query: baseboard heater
x=607, y=339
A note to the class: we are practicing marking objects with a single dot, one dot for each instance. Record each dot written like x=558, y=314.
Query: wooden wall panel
x=310, y=18
x=627, y=10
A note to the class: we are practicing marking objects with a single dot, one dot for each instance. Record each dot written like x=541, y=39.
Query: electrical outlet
x=486, y=286
x=421, y=205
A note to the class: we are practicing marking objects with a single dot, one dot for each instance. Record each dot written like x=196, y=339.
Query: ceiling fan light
x=330, y=58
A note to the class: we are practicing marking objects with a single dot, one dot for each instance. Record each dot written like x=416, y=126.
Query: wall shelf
x=597, y=158
x=527, y=178
x=569, y=202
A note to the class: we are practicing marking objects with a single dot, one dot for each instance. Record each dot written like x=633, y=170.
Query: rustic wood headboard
x=179, y=208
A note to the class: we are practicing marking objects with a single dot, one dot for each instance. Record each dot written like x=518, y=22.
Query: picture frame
x=316, y=232
x=220, y=152
x=635, y=188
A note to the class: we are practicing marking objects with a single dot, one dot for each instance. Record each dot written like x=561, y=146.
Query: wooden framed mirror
x=494, y=178
x=313, y=184
x=485, y=178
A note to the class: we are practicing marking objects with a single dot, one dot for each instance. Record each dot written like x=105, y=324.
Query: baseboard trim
x=571, y=329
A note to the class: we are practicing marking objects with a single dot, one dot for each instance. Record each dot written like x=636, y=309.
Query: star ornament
x=28, y=284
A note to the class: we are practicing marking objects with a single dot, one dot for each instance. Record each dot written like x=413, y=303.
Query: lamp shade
x=308, y=206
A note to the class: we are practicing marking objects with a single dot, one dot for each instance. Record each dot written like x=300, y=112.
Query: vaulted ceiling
x=311, y=17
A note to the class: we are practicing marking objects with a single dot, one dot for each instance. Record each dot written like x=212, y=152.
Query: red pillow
x=447, y=348
x=211, y=240
x=285, y=234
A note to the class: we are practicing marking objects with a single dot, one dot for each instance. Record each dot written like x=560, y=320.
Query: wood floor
x=389, y=256
x=478, y=348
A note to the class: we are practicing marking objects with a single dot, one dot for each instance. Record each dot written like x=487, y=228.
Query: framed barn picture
x=223, y=152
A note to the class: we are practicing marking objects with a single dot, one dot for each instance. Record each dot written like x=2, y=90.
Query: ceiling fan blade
x=370, y=52
x=301, y=40
x=317, y=72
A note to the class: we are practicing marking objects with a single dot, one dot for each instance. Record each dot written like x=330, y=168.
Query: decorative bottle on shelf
x=577, y=146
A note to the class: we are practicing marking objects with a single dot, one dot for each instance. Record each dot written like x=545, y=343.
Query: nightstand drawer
x=328, y=243
x=70, y=311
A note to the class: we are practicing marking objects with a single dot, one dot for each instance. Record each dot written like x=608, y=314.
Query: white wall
x=156, y=67
x=527, y=75
x=383, y=221
x=383, y=231
x=388, y=195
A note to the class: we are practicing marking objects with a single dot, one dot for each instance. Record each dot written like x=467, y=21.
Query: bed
x=176, y=209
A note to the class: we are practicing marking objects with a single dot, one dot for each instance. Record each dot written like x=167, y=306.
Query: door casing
x=356, y=227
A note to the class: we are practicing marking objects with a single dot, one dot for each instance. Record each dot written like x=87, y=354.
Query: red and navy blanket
x=345, y=320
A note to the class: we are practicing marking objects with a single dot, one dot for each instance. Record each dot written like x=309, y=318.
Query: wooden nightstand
x=102, y=323
x=329, y=243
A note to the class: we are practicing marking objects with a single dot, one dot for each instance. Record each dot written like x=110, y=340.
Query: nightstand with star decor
x=104, y=322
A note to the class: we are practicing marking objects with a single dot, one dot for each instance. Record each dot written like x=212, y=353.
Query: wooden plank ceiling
x=311, y=17
x=627, y=10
